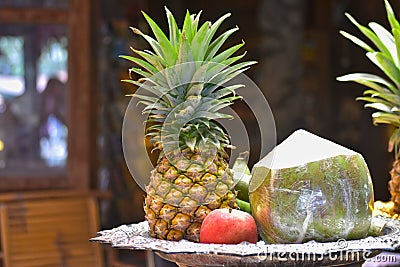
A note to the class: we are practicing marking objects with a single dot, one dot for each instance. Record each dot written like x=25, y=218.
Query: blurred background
x=62, y=102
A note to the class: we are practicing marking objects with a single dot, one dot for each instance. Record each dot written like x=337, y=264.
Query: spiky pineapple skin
x=394, y=186
x=178, y=200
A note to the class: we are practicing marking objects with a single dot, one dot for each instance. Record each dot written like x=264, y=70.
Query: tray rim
x=136, y=237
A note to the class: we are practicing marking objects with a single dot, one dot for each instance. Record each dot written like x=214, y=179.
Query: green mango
x=243, y=205
x=241, y=176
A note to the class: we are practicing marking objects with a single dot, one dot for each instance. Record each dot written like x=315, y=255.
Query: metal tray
x=186, y=253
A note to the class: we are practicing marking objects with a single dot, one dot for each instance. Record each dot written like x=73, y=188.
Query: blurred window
x=41, y=94
x=33, y=92
x=61, y=4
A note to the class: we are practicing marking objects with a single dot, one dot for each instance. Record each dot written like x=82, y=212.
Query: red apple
x=228, y=226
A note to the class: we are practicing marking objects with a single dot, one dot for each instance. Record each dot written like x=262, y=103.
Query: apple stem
x=230, y=210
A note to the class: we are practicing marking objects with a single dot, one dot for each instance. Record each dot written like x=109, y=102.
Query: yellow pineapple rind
x=176, y=205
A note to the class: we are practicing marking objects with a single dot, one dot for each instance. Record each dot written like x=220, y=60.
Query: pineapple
x=383, y=93
x=181, y=88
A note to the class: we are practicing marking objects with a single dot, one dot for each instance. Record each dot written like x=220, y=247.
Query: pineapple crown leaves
x=186, y=45
x=383, y=93
x=184, y=81
x=199, y=127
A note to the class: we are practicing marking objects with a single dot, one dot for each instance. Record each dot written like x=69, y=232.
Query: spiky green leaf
x=379, y=106
x=185, y=50
x=187, y=28
x=392, y=99
x=366, y=78
x=227, y=53
x=394, y=141
x=168, y=51
x=386, y=65
x=195, y=21
x=155, y=61
x=153, y=43
x=191, y=143
x=141, y=72
x=386, y=118
x=230, y=73
x=187, y=88
x=144, y=64
x=370, y=35
x=174, y=34
x=223, y=92
x=217, y=44
x=387, y=40
x=376, y=100
x=394, y=24
x=396, y=36
x=357, y=41
x=198, y=44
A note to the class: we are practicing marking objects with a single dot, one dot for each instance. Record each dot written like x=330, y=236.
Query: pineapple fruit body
x=178, y=199
x=394, y=186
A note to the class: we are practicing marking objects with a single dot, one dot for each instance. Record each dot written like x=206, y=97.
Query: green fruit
x=241, y=176
x=309, y=188
x=243, y=205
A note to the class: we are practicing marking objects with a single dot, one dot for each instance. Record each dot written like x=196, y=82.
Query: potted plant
x=382, y=92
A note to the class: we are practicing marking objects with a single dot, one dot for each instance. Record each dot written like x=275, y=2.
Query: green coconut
x=309, y=188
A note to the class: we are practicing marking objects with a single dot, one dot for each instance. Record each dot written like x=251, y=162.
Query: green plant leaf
x=366, y=78
x=212, y=115
x=197, y=82
x=218, y=67
x=195, y=21
x=165, y=45
x=357, y=41
x=141, y=72
x=370, y=35
x=386, y=118
x=187, y=27
x=394, y=141
x=217, y=43
x=386, y=65
x=391, y=16
x=191, y=143
x=223, y=92
x=151, y=99
x=150, y=40
x=174, y=34
x=225, y=103
x=231, y=72
x=152, y=59
x=393, y=99
x=160, y=92
x=213, y=29
x=142, y=63
x=198, y=42
x=396, y=35
x=185, y=51
x=227, y=53
x=374, y=100
x=386, y=38
x=371, y=92
x=378, y=106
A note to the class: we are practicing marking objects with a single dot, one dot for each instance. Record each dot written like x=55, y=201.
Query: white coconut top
x=302, y=147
